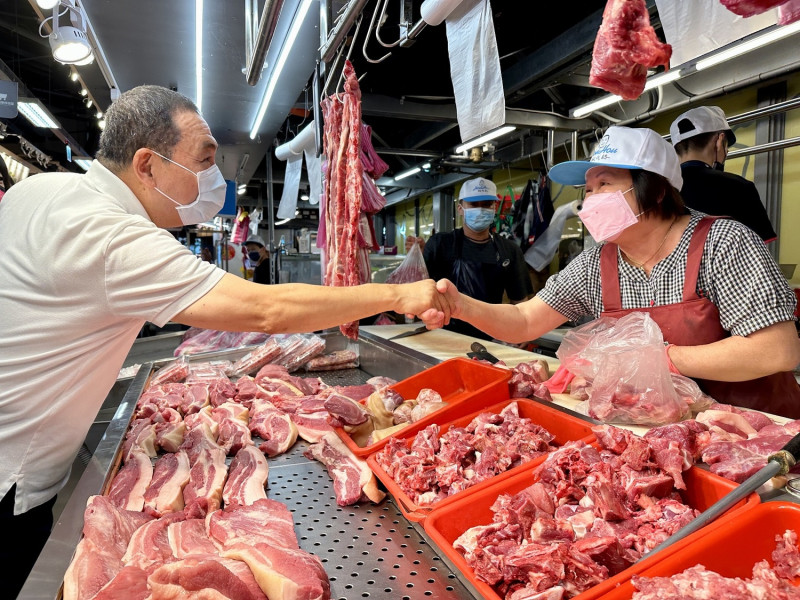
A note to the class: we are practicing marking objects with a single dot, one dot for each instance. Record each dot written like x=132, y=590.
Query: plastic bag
x=626, y=363
x=411, y=269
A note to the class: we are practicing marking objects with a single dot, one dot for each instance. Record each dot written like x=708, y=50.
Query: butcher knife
x=416, y=331
x=479, y=351
x=779, y=463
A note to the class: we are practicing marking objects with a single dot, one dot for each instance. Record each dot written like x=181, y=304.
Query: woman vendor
x=723, y=305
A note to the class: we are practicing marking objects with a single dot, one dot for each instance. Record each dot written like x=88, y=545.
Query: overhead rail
x=266, y=30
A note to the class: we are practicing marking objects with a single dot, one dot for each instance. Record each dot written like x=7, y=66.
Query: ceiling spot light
x=74, y=76
x=484, y=138
x=69, y=43
x=47, y=4
x=86, y=61
x=304, y=197
x=89, y=103
x=84, y=91
x=99, y=114
x=101, y=124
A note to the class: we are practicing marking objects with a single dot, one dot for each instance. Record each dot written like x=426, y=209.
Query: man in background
x=701, y=137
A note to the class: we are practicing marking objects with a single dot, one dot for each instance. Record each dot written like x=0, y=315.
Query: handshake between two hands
x=434, y=302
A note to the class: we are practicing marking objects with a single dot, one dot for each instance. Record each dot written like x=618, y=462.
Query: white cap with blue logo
x=477, y=190
x=625, y=148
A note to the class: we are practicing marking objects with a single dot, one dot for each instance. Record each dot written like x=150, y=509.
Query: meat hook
x=366, y=37
x=381, y=20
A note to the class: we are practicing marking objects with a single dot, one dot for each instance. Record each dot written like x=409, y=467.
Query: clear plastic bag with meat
x=627, y=365
x=411, y=269
x=298, y=349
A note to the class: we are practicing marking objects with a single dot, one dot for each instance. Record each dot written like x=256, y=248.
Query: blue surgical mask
x=478, y=219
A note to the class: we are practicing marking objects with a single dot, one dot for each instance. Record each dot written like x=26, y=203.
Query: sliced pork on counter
x=625, y=47
x=247, y=478
x=170, y=476
x=353, y=480
x=205, y=577
x=131, y=482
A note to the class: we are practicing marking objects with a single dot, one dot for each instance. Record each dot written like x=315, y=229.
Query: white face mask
x=210, y=195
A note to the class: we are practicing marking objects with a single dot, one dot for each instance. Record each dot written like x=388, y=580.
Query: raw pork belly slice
x=130, y=583
x=247, y=478
x=312, y=427
x=140, y=437
x=170, y=429
x=264, y=521
x=199, y=438
x=347, y=410
x=107, y=530
x=201, y=417
x=205, y=577
x=233, y=436
x=284, y=573
x=195, y=397
x=170, y=476
x=190, y=537
x=273, y=426
x=352, y=478
x=625, y=47
x=207, y=478
x=130, y=483
x=231, y=410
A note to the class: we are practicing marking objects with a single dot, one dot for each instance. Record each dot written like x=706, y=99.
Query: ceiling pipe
x=768, y=147
x=266, y=29
x=340, y=29
x=406, y=152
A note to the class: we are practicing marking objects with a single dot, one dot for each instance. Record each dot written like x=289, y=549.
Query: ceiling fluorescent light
x=596, y=105
x=198, y=53
x=407, y=173
x=283, y=222
x=662, y=79
x=83, y=163
x=483, y=139
x=773, y=35
x=297, y=23
x=36, y=114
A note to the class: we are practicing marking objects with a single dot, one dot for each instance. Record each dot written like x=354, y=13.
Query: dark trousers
x=24, y=536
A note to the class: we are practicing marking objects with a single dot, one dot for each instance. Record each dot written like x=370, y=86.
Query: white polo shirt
x=82, y=267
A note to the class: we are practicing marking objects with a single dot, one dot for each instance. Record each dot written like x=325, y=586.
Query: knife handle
x=787, y=456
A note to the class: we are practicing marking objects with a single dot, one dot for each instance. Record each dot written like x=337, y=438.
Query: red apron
x=695, y=321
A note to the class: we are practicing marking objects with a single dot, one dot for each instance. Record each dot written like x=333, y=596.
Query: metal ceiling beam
x=384, y=106
x=555, y=54
x=266, y=30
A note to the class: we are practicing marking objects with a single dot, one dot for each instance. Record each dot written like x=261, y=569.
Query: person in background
x=111, y=266
x=701, y=137
x=731, y=327
x=482, y=265
x=206, y=254
x=259, y=258
x=6, y=180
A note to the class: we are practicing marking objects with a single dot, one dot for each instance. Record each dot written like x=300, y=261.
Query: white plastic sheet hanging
x=475, y=68
x=314, y=169
x=544, y=248
x=702, y=26
x=291, y=186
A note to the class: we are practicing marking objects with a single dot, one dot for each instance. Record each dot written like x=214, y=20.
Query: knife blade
x=416, y=331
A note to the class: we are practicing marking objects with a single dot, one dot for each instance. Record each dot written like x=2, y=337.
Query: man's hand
x=411, y=240
x=452, y=296
x=422, y=299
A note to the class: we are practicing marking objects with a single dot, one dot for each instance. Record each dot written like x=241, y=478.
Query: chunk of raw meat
x=205, y=577
x=206, y=478
x=190, y=537
x=352, y=478
x=130, y=583
x=312, y=426
x=346, y=410
x=273, y=426
x=107, y=530
x=748, y=8
x=339, y=359
x=264, y=521
x=247, y=478
x=170, y=476
x=233, y=436
x=131, y=481
x=284, y=573
x=625, y=47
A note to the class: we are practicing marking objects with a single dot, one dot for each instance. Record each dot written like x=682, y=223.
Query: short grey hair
x=142, y=117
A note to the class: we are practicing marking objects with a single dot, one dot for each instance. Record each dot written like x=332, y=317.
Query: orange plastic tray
x=466, y=385
x=444, y=525
x=564, y=427
x=730, y=550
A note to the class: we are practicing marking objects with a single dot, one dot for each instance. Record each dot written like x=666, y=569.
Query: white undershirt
x=82, y=268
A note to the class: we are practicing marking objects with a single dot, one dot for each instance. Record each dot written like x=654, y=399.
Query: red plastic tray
x=466, y=385
x=730, y=550
x=564, y=427
x=444, y=525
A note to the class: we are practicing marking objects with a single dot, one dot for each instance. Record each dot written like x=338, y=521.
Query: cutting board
x=443, y=344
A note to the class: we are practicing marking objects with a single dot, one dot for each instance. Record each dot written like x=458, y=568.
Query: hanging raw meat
x=347, y=263
x=789, y=12
x=748, y=8
x=626, y=46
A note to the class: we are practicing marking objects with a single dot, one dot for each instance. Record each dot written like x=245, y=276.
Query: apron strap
x=609, y=277
x=694, y=255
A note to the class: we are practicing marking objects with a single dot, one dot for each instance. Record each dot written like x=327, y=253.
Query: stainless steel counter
x=368, y=551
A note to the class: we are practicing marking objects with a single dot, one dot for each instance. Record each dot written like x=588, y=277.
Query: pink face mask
x=607, y=214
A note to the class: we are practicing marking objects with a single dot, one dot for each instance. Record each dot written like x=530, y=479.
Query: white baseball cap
x=703, y=119
x=256, y=239
x=477, y=190
x=625, y=148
